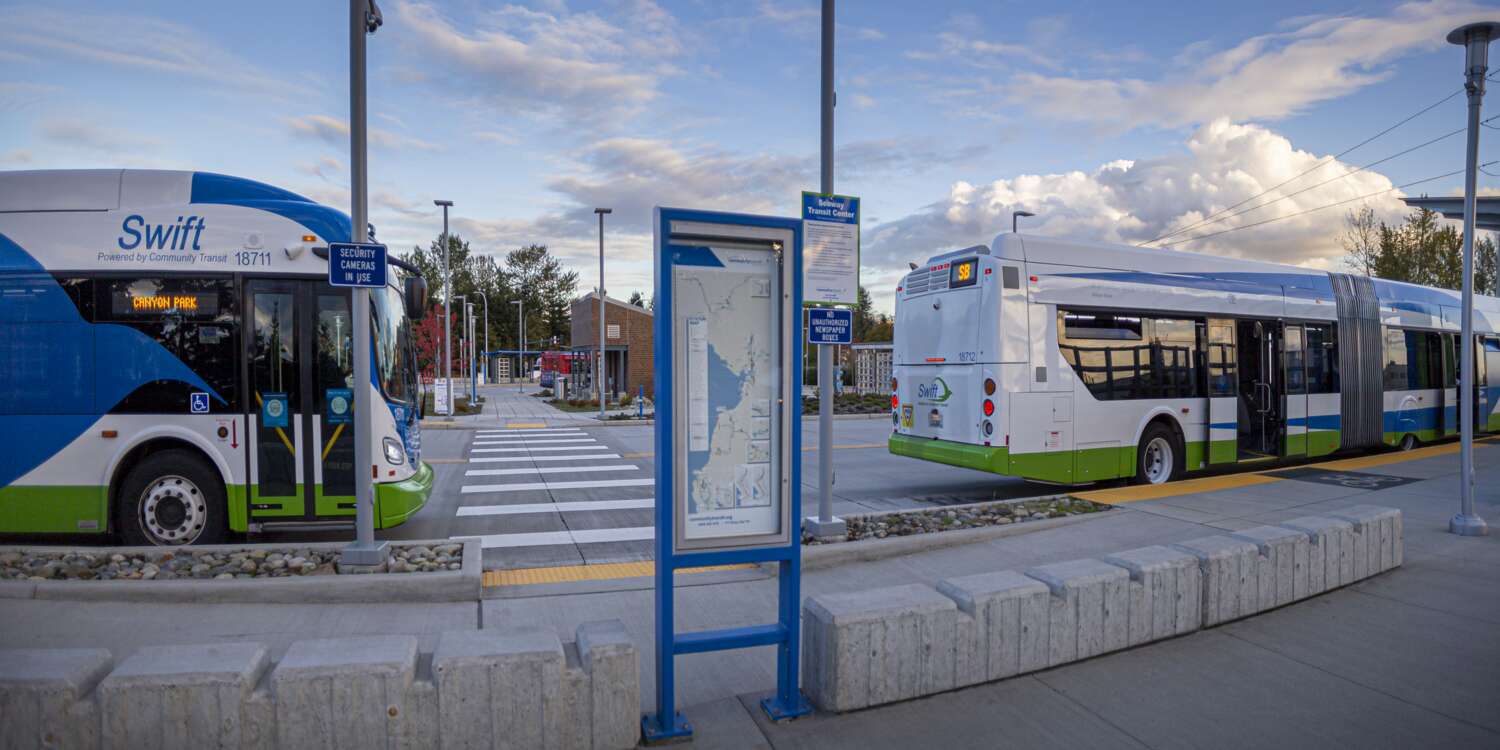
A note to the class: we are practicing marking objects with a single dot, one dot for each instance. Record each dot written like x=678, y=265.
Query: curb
x=820, y=556
x=462, y=585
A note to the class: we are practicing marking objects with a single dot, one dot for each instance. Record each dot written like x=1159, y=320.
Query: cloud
x=863, y=101
x=18, y=156
x=578, y=65
x=137, y=41
x=82, y=133
x=335, y=131
x=1264, y=77
x=1134, y=201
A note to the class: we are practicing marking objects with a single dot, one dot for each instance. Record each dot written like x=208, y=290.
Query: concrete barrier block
x=573, y=693
x=187, y=696
x=1090, y=608
x=1283, y=563
x=1330, y=547
x=499, y=688
x=42, y=694
x=866, y=648
x=423, y=721
x=1165, y=592
x=344, y=692
x=1378, y=532
x=1008, y=613
x=608, y=655
x=1229, y=568
x=258, y=720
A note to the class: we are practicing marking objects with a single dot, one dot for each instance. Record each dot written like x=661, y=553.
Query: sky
x=1121, y=122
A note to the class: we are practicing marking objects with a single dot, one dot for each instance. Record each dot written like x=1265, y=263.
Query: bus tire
x=1408, y=442
x=172, y=498
x=1158, y=459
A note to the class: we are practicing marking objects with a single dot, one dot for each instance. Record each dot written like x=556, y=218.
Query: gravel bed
x=184, y=563
x=937, y=520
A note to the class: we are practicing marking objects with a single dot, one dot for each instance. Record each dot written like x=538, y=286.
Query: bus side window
x=1395, y=377
x=1221, y=358
x=1322, y=365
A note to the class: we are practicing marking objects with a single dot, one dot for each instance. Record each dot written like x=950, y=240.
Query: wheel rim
x=1157, y=462
x=1408, y=443
x=172, y=511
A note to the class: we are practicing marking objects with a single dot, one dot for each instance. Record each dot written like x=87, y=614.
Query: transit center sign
x=830, y=249
x=359, y=264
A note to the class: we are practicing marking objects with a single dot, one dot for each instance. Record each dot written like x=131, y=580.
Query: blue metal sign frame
x=357, y=264
x=788, y=702
x=830, y=325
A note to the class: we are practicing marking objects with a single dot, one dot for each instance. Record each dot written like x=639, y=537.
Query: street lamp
x=484, y=357
x=599, y=376
x=1014, y=215
x=1475, y=38
x=447, y=312
x=521, y=313
x=462, y=329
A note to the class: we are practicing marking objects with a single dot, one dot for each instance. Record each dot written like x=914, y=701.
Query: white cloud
x=84, y=134
x=577, y=64
x=1134, y=201
x=18, y=156
x=1264, y=77
x=134, y=40
x=863, y=101
x=335, y=131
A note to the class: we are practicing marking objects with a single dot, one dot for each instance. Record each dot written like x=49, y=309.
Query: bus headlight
x=394, y=453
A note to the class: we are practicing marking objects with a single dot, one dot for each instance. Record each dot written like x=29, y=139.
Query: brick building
x=628, y=344
x=872, y=368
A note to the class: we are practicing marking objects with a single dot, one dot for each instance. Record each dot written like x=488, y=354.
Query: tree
x=637, y=299
x=863, y=314
x=427, y=339
x=1361, y=240
x=547, y=289
x=1419, y=251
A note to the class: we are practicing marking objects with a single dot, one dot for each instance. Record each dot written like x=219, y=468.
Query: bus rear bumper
x=993, y=459
x=398, y=501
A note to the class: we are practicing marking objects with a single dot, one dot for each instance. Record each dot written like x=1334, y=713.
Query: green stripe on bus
x=53, y=509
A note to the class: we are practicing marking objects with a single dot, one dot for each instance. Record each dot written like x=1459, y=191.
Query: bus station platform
x=1409, y=657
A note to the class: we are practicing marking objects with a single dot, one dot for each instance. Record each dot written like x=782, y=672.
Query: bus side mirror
x=416, y=297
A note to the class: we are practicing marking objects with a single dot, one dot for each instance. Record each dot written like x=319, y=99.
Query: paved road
x=545, y=488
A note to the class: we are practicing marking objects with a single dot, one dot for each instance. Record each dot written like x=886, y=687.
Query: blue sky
x=1115, y=121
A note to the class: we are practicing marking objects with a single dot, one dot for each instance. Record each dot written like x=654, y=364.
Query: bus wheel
x=1408, y=442
x=172, y=498
x=1158, y=459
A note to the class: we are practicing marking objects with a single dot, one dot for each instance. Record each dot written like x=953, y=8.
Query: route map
x=729, y=322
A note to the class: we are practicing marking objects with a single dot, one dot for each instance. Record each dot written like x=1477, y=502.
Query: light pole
x=364, y=19
x=484, y=357
x=521, y=326
x=447, y=313
x=599, y=371
x=1475, y=38
x=463, y=327
x=473, y=358
x=1016, y=215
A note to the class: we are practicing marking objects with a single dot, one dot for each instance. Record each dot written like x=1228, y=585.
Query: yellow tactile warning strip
x=600, y=572
x=524, y=425
x=1137, y=493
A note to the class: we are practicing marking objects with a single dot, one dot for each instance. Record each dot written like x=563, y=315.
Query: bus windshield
x=392, y=344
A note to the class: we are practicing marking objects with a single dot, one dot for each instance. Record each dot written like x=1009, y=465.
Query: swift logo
x=135, y=229
x=936, y=392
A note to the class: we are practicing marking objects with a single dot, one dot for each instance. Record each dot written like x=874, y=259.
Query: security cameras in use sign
x=356, y=264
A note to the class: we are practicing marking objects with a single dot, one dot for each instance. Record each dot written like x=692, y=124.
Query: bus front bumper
x=398, y=501
x=993, y=459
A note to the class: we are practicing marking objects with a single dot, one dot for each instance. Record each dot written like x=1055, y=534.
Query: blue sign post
x=728, y=292
x=359, y=264
x=828, y=325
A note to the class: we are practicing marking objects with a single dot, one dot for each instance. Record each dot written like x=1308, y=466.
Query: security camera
x=373, y=19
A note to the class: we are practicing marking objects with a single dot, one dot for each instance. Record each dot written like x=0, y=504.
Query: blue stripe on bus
x=331, y=224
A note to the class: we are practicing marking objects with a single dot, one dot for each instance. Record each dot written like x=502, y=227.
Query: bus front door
x=1294, y=371
x=299, y=401
x=1261, y=421
x=1487, y=368
x=1223, y=387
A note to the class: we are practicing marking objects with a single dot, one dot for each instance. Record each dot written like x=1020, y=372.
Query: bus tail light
x=989, y=408
x=895, y=401
x=989, y=386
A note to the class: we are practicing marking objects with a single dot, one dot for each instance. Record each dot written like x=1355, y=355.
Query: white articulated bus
x=1074, y=362
x=174, y=365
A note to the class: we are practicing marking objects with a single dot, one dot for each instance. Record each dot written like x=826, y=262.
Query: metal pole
x=447, y=313
x=364, y=551
x=1476, y=40
x=599, y=370
x=484, y=355
x=826, y=525
x=521, y=330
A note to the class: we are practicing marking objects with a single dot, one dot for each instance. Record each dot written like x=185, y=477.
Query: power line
x=1213, y=217
x=1332, y=205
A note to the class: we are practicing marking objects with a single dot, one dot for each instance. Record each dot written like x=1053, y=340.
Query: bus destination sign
x=360, y=264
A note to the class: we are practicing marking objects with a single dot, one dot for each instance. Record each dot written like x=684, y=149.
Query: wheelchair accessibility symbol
x=198, y=402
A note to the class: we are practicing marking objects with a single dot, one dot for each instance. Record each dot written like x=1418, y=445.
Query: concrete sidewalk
x=1409, y=658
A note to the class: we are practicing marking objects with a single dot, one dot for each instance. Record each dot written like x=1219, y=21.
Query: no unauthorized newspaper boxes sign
x=827, y=325
x=359, y=264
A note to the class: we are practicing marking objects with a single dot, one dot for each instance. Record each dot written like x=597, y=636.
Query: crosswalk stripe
x=538, y=450
x=533, y=442
x=529, y=432
x=583, y=505
x=548, y=470
x=471, y=489
x=576, y=536
x=507, y=459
